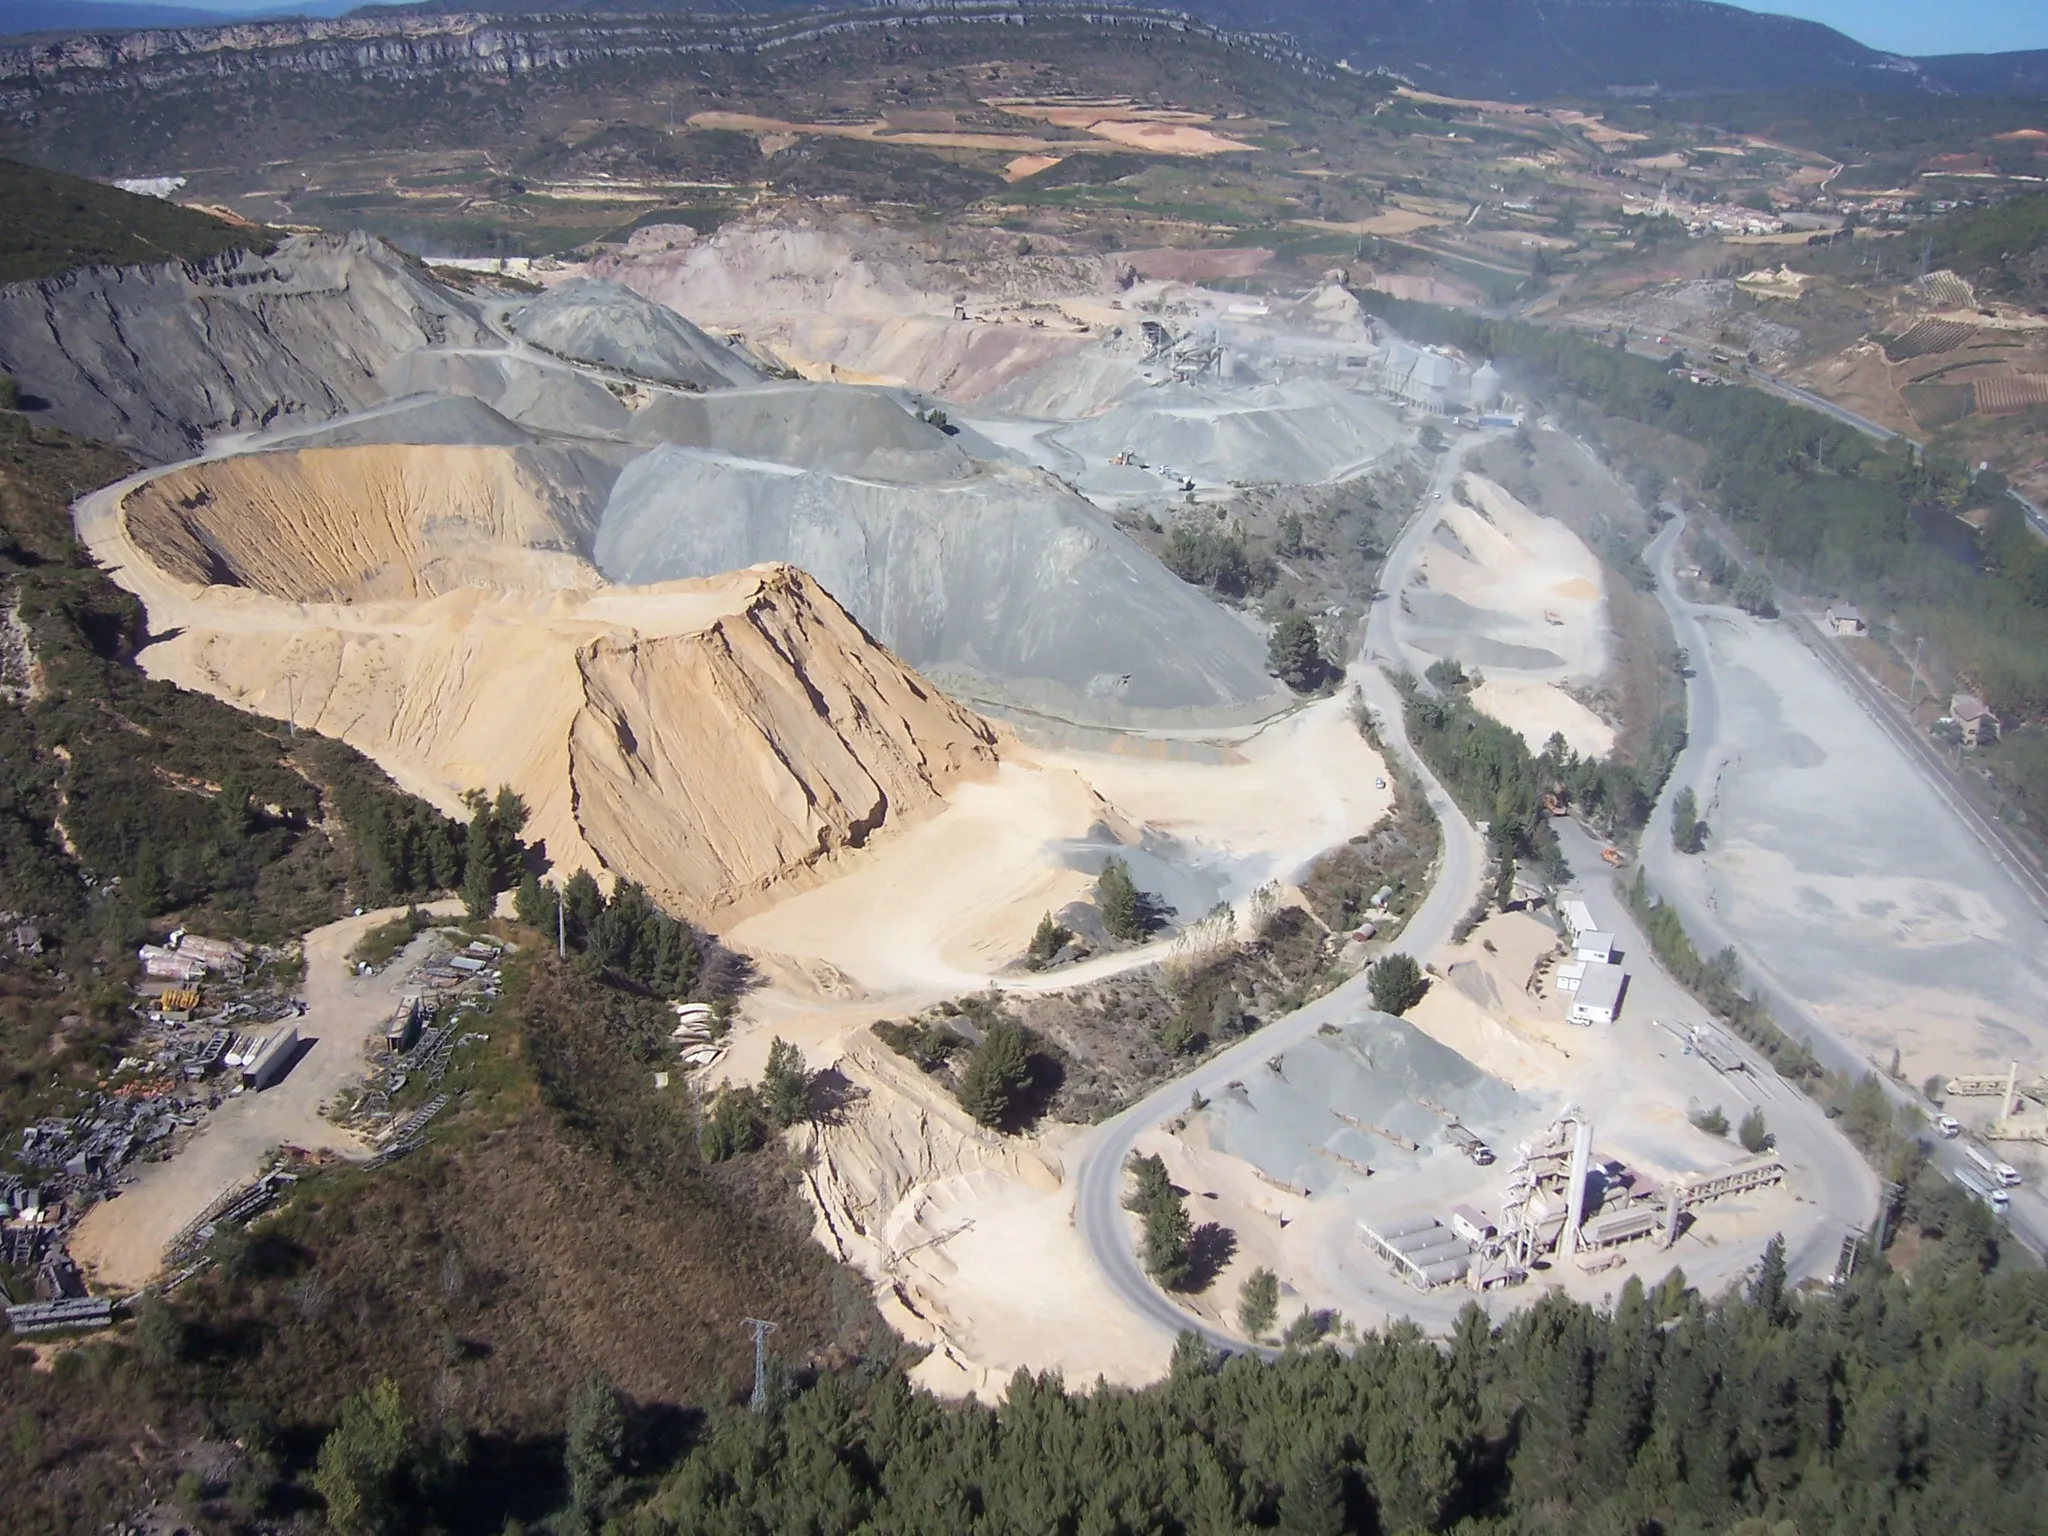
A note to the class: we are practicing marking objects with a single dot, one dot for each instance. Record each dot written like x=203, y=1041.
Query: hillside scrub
x=129, y=805
x=51, y=223
x=559, y=1220
x=1223, y=562
x=1790, y=1404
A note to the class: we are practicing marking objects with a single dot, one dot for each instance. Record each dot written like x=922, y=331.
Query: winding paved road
x=1099, y=1179
x=1108, y=1233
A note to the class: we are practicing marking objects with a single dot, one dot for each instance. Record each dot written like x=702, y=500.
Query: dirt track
x=121, y=1242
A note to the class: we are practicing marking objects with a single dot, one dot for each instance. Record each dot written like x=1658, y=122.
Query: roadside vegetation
x=380, y=946
x=1828, y=508
x=1717, y=982
x=1488, y=769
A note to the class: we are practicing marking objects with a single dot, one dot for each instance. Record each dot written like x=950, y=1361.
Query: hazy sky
x=1927, y=26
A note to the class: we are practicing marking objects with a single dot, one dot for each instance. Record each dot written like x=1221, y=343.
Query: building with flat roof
x=1598, y=998
x=1575, y=916
x=1594, y=945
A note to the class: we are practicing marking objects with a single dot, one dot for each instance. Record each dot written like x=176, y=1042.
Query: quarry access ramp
x=1099, y=1175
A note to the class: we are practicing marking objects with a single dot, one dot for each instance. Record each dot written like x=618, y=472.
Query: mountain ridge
x=1517, y=48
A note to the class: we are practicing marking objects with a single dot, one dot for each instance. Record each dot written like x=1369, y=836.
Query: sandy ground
x=587, y=702
x=943, y=906
x=938, y=1211
x=1537, y=709
x=1834, y=863
x=1520, y=597
x=933, y=1210
x=120, y=1242
x=1492, y=1008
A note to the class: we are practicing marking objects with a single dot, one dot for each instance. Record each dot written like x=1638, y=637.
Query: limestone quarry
x=796, y=576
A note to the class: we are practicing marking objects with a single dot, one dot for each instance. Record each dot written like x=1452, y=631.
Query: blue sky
x=1927, y=26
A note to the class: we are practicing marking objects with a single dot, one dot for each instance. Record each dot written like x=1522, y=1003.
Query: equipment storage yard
x=122, y=1242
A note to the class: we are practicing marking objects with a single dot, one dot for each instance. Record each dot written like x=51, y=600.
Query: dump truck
x=1468, y=1144
x=2002, y=1174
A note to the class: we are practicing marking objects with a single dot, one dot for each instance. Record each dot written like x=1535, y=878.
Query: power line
x=762, y=1328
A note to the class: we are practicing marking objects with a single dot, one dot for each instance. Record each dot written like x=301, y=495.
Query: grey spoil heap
x=663, y=453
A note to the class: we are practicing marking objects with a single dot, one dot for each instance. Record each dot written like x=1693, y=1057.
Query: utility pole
x=762, y=1328
x=291, y=706
x=561, y=924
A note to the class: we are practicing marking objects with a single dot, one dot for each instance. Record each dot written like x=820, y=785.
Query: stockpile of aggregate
x=1321, y=1110
x=610, y=326
x=994, y=580
x=1302, y=432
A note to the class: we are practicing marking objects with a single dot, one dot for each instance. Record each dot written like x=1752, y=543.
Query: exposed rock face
x=159, y=358
x=402, y=45
x=362, y=524
x=592, y=321
x=712, y=740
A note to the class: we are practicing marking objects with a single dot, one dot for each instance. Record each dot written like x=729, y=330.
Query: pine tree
x=535, y=906
x=159, y=1333
x=1294, y=653
x=1258, y=1303
x=1753, y=1133
x=785, y=1086
x=1397, y=984
x=1685, y=821
x=1167, y=1235
x=1116, y=897
x=362, y=1466
x=1046, y=942
x=595, y=1454
x=734, y=1127
x=1767, y=1290
x=1312, y=1502
x=996, y=1073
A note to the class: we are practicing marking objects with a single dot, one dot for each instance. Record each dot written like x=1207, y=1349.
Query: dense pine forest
x=1910, y=1400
